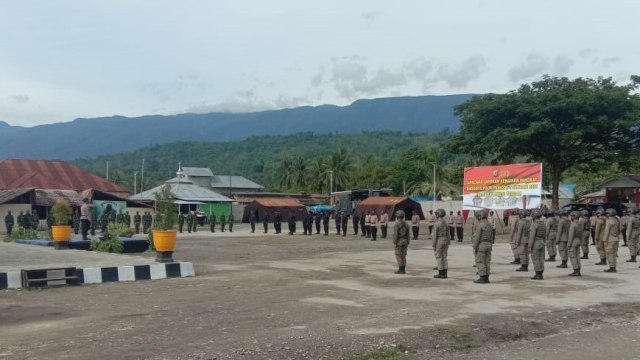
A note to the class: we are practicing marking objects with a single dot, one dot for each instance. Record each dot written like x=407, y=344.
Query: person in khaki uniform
x=514, y=219
x=633, y=233
x=576, y=230
x=537, y=234
x=584, y=245
x=522, y=241
x=551, y=233
x=562, y=237
x=601, y=221
x=482, y=241
x=611, y=240
x=401, y=241
x=441, y=244
x=496, y=223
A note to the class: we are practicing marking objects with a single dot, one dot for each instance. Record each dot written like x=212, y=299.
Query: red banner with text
x=502, y=186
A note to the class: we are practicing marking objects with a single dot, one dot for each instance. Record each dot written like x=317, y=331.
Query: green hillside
x=372, y=157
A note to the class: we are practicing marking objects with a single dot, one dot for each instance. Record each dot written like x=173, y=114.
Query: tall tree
x=341, y=165
x=434, y=164
x=318, y=178
x=557, y=121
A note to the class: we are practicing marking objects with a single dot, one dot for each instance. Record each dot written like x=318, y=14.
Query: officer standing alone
x=401, y=241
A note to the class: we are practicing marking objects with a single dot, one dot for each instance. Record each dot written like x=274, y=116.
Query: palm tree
x=434, y=163
x=317, y=179
x=298, y=172
x=341, y=165
x=283, y=174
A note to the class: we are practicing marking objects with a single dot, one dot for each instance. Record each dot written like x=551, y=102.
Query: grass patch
x=384, y=354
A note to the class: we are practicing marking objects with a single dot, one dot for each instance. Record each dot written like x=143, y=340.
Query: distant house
x=27, y=185
x=199, y=189
x=624, y=189
x=222, y=184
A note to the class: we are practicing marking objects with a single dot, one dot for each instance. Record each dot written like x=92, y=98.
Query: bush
x=22, y=234
x=109, y=244
x=120, y=230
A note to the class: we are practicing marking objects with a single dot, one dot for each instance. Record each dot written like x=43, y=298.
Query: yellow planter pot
x=61, y=233
x=164, y=240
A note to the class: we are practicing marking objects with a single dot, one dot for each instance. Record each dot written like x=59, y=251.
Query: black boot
x=563, y=265
x=440, y=275
x=611, y=269
x=483, y=279
x=523, y=267
x=585, y=256
x=537, y=276
x=515, y=261
x=446, y=273
x=576, y=272
x=551, y=258
x=400, y=270
x=633, y=259
x=602, y=262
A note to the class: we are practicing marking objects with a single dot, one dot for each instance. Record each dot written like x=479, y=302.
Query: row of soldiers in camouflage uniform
x=567, y=235
x=25, y=221
x=192, y=222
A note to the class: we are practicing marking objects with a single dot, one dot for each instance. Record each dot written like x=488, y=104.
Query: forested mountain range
x=82, y=138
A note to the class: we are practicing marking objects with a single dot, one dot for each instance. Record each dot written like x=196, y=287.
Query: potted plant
x=164, y=235
x=61, y=231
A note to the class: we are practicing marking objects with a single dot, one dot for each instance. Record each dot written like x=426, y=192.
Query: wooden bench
x=35, y=276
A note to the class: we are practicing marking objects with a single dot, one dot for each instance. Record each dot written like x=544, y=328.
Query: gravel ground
x=258, y=296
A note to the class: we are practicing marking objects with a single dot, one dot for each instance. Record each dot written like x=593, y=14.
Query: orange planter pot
x=61, y=233
x=164, y=240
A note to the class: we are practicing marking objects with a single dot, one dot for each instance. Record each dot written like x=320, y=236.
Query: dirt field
x=317, y=297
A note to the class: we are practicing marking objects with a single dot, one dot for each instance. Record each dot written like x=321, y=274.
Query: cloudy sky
x=60, y=60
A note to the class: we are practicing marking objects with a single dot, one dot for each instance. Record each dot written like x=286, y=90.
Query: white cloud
x=534, y=64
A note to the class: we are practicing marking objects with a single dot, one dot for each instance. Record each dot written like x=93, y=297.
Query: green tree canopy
x=558, y=121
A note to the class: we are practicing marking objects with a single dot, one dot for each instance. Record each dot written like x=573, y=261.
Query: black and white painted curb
x=97, y=275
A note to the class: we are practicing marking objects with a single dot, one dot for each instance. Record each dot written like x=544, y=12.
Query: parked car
x=591, y=207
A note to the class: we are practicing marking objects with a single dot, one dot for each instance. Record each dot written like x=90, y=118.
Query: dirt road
x=261, y=296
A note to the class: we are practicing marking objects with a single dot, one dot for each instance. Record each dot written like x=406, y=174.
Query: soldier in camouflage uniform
x=189, y=222
x=137, y=219
x=537, y=234
x=35, y=220
x=21, y=220
x=401, y=241
x=120, y=218
x=9, y=222
x=104, y=222
x=51, y=220
x=585, y=234
x=562, y=238
x=127, y=219
x=231, y=220
x=611, y=240
x=551, y=234
x=441, y=244
x=576, y=230
x=601, y=221
x=522, y=240
x=633, y=234
x=514, y=218
x=222, y=222
x=213, y=222
x=180, y=222
x=482, y=241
